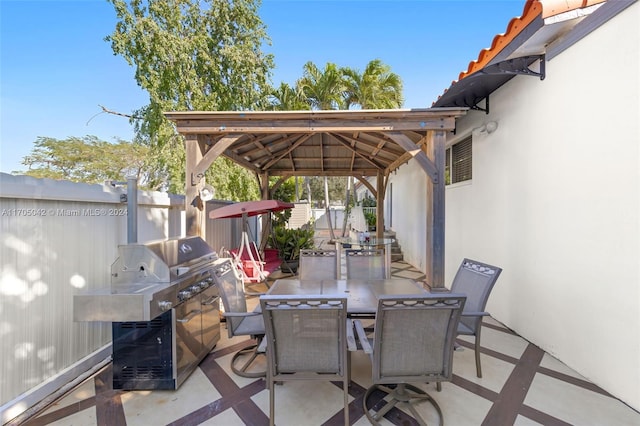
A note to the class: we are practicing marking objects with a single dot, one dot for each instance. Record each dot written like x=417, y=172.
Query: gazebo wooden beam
x=373, y=143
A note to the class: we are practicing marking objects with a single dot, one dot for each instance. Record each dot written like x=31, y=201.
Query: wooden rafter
x=351, y=144
x=278, y=156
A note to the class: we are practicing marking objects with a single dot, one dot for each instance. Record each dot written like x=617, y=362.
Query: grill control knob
x=184, y=294
x=165, y=305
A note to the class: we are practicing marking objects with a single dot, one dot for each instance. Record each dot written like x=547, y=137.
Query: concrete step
x=396, y=250
x=397, y=257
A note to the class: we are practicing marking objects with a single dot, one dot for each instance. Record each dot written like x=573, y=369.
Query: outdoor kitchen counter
x=133, y=304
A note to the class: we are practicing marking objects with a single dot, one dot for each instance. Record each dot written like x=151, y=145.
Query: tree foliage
x=334, y=87
x=322, y=88
x=90, y=160
x=233, y=182
x=336, y=185
x=205, y=55
x=191, y=55
x=375, y=88
x=286, y=98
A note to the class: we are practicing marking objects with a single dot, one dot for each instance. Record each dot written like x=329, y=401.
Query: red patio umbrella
x=252, y=269
x=249, y=208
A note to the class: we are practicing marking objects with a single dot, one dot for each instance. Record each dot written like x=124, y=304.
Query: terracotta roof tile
x=532, y=10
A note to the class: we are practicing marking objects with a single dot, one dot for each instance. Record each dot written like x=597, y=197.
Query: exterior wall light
x=488, y=128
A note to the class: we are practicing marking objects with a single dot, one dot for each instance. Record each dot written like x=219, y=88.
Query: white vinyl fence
x=59, y=238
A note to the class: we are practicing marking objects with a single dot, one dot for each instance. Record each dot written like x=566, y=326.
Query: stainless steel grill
x=164, y=306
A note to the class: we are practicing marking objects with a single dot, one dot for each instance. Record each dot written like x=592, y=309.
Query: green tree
x=233, y=182
x=336, y=185
x=90, y=160
x=323, y=89
x=191, y=55
x=285, y=192
x=287, y=98
x=375, y=88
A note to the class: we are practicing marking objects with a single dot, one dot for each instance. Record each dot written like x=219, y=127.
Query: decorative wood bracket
x=415, y=151
x=210, y=156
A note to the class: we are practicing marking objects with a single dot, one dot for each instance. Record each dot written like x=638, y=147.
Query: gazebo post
x=265, y=194
x=435, y=150
x=380, y=185
x=193, y=205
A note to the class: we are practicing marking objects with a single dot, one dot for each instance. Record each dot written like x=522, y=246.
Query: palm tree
x=287, y=98
x=341, y=88
x=376, y=88
x=323, y=89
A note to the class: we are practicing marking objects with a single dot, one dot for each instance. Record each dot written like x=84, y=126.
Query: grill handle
x=211, y=300
x=189, y=316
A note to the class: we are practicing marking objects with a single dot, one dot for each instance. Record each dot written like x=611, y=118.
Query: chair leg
x=251, y=353
x=345, y=387
x=272, y=404
x=477, y=351
x=403, y=393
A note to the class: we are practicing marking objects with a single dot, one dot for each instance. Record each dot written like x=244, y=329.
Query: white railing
x=371, y=210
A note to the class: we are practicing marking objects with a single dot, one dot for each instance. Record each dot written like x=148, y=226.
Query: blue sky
x=56, y=69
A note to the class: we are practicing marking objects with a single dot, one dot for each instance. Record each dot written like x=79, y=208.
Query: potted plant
x=371, y=220
x=289, y=242
x=369, y=215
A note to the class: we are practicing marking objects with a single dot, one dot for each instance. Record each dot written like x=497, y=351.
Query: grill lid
x=146, y=280
x=161, y=261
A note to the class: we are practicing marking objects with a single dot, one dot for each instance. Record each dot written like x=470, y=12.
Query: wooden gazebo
x=358, y=143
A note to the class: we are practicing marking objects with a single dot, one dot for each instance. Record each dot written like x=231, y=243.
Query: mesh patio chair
x=318, y=264
x=306, y=339
x=240, y=322
x=476, y=280
x=365, y=264
x=412, y=343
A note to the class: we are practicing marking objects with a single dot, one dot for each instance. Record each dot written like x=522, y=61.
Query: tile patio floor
x=522, y=385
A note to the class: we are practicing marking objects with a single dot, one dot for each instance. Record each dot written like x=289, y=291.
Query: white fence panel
x=320, y=217
x=59, y=238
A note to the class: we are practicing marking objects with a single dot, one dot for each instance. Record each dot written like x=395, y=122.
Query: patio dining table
x=362, y=295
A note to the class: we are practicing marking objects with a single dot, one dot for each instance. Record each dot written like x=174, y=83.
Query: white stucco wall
x=407, y=204
x=555, y=202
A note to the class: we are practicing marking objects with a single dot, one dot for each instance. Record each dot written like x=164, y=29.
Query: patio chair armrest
x=351, y=339
x=475, y=314
x=262, y=347
x=240, y=314
x=362, y=337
